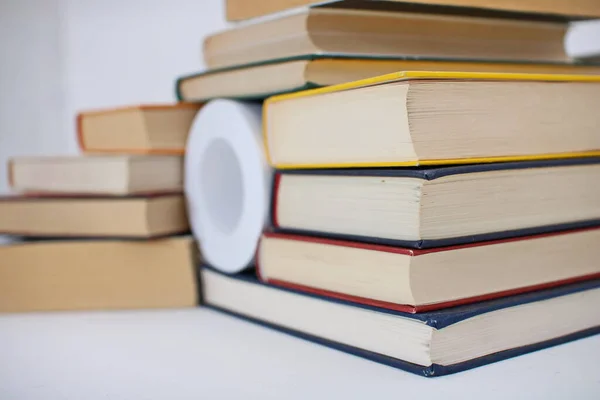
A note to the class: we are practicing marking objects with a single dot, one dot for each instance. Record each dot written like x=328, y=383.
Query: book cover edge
x=425, y=244
x=407, y=251
x=437, y=75
x=426, y=308
x=434, y=172
x=375, y=59
x=438, y=319
x=425, y=163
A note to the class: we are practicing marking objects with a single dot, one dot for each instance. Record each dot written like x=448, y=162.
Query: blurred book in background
x=263, y=79
x=341, y=41
x=106, y=230
x=76, y=274
x=573, y=9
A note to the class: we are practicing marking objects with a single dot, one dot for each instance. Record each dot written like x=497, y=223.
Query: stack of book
x=107, y=229
x=343, y=41
x=431, y=221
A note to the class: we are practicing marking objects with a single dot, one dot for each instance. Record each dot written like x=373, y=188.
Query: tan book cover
x=92, y=275
x=141, y=129
x=237, y=10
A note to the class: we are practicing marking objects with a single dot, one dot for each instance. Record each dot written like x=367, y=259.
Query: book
x=430, y=344
x=237, y=10
x=161, y=129
x=97, y=174
x=412, y=281
x=259, y=80
x=52, y=275
x=426, y=207
x=93, y=216
x=430, y=118
x=380, y=34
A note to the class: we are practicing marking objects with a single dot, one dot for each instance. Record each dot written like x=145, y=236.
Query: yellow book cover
x=422, y=76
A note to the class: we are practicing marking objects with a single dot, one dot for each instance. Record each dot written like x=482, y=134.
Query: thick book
x=430, y=344
x=141, y=129
x=412, y=280
x=97, y=174
x=52, y=275
x=237, y=10
x=431, y=118
x=93, y=216
x=426, y=207
x=337, y=31
x=257, y=81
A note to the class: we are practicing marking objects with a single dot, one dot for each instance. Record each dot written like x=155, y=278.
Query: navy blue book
x=425, y=207
x=429, y=344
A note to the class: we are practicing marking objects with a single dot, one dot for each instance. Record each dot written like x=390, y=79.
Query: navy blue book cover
x=429, y=174
x=436, y=319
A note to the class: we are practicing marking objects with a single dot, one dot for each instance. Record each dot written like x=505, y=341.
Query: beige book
x=93, y=216
x=237, y=10
x=381, y=34
x=418, y=280
x=97, y=174
x=161, y=129
x=458, y=204
x=92, y=275
x=264, y=80
x=433, y=118
x=443, y=338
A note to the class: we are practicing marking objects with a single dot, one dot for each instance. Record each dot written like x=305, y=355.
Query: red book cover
x=414, y=253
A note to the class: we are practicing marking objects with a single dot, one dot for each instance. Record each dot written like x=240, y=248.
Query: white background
x=61, y=56
x=201, y=354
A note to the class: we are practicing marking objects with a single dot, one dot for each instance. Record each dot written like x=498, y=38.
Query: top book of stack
x=238, y=10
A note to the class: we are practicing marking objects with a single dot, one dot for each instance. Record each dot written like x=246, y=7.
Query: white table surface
x=202, y=354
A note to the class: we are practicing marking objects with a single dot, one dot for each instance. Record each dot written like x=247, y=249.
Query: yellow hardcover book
x=413, y=118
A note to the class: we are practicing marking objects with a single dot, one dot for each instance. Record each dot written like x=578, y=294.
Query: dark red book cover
x=414, y=253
